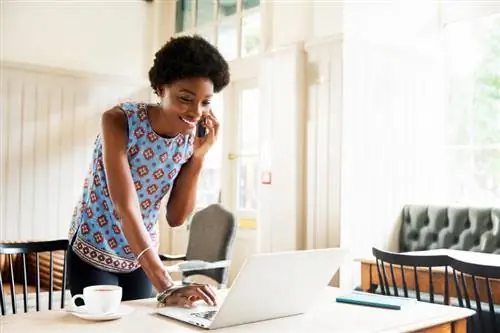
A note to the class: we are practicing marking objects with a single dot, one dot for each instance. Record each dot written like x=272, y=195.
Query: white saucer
x=81, y=312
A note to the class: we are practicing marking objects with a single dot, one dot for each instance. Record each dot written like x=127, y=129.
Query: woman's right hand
x=187, y=295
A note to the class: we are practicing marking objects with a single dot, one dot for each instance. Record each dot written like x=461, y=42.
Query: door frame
x=244, y=73
x=230, y=147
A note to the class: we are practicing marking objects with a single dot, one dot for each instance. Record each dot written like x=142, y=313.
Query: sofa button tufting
x=446, y=223
x=477, y=242
x=456, y=240
x=467, y=224
x=489, y=225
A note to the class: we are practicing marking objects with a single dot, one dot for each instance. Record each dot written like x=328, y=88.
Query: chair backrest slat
x=51, y=279
x=2, y=300
x=431, y=285
x=465, y=289
x=37, y=292
x=25, y=251
x=63, y=280
x=403, y=278
x=12, y=285
x=457, y=288
x=386, y=280
x=25, y=283
x=478, y=304
x=446, y=286
x=491, y=305
x=417, y=286
x=394, y=283
x=380, y=277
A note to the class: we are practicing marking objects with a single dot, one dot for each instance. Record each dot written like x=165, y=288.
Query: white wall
x=106, y=37
x=63, y=64
x=302, y=20
x=50, y=119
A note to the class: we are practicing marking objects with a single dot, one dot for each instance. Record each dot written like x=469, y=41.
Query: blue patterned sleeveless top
x=154, y=164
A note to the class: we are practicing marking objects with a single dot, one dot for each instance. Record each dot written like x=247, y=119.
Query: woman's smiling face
x=185, y=101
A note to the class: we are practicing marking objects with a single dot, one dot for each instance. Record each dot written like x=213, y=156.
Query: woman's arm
x=124, y=196
x=183, y=197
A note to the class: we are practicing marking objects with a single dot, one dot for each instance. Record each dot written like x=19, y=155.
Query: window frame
x=218, y=21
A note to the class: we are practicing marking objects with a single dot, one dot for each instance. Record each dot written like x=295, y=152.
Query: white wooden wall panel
x=50, y=118
x=324, y=142
x=282, y=85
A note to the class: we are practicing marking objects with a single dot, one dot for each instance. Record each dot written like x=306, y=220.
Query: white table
x=326, y=316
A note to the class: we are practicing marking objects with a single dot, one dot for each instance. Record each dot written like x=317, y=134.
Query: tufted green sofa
x=441, y=227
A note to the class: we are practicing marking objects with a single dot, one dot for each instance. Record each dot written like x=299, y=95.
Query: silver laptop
x=268, y=286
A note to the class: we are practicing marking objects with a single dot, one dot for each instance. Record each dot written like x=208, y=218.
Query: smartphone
x=201, y=130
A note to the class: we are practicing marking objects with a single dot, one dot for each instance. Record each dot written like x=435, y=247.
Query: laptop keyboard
x=208, y=315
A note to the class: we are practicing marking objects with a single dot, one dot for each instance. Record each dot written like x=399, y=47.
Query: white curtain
x=392, y=142
x=393, y=126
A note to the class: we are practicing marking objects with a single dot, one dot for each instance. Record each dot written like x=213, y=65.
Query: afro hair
x=189, y=57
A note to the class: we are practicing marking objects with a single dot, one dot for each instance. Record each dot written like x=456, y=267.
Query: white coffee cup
x=100, y=298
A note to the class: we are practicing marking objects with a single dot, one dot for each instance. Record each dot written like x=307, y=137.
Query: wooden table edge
x=456, y=326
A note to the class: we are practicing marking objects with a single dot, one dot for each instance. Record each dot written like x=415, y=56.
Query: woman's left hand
x=202, y=145
x=187, y=295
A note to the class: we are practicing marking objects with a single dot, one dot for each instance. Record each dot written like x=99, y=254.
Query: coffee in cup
x=100, y=298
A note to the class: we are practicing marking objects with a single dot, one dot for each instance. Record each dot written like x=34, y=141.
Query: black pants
x=135, y=285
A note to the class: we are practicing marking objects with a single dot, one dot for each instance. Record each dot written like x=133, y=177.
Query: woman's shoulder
x=121, y=116
x=131, y=106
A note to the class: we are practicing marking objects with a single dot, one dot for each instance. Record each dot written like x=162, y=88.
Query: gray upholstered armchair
x=211, y=234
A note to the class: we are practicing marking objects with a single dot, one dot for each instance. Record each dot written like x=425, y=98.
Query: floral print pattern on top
x=154, y=163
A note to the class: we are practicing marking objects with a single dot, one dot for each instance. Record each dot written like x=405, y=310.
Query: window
x=232, y=25
x=473, y=114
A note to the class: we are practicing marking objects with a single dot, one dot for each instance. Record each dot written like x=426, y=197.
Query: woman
x=143, y=153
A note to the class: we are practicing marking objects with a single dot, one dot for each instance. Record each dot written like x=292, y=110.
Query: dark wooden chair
x=407, y=266
x=472, y=285
x=211, y=234
x=23, y=262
